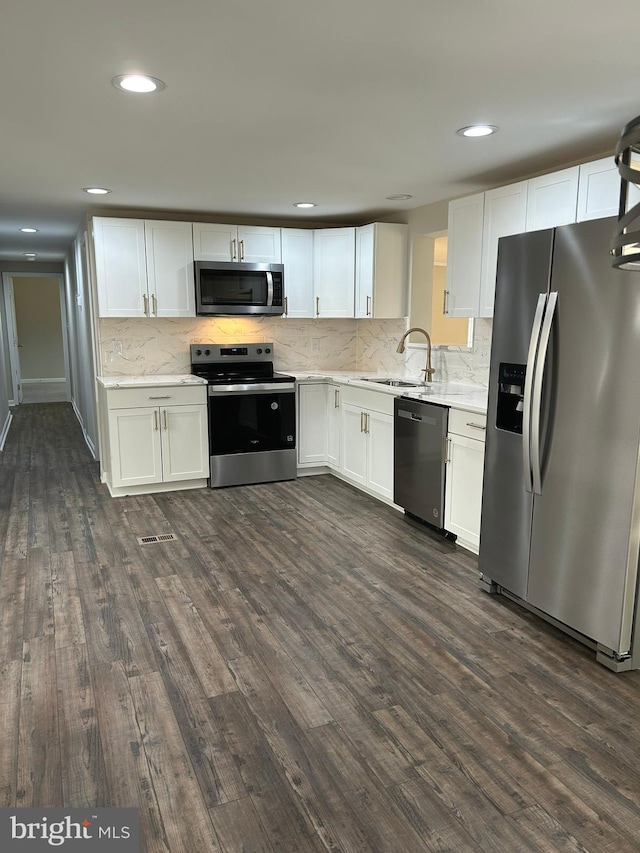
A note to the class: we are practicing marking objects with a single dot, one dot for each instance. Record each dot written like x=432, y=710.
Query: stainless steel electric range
x=252, y=414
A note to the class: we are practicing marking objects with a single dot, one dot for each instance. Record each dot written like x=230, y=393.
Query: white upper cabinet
x=214, y=242
x=334, y=271
x=599, y=190
x=251, y=244
x=381, y=271
x=121, y=267
x=552, y=199
x=144, y=268
x=169, y=251
x=464, y=256
x=505, y=212
x=297, y=257
x=259, y=245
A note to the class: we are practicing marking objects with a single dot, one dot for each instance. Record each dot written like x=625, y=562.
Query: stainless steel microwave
x=238, y=289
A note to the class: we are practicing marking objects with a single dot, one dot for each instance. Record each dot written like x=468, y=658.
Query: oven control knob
x=268, y=350
x=198, y=352
x=207, y=352
x=259, y=351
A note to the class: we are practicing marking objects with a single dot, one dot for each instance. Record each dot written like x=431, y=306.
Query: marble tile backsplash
x=137, y=346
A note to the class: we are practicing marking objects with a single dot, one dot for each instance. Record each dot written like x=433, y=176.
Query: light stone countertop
x=149, y=380
x=470, y=398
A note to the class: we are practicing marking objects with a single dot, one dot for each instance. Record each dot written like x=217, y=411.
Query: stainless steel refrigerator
x=560, y=526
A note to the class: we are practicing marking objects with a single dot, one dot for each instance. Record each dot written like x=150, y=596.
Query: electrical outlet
x=117, y=347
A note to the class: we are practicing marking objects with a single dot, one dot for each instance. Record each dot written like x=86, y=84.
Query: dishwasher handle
x=412, y=416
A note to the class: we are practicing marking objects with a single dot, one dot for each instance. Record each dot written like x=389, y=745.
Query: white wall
x=79, y=330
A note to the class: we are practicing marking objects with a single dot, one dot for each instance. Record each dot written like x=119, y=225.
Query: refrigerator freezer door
x=524, y=268
x=584, y=541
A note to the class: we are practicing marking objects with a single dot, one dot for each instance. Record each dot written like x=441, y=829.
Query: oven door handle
x=251, y=390
x=269, y=289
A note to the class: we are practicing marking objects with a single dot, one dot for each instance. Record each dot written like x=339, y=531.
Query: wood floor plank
x=170, y=771
x=67, y=604
x=10, y=679
x=84, y=780
x=126, y=767
x=279, y=810
x=220, y=781
x=212, y=669
x=239, y=829
x=39, y=758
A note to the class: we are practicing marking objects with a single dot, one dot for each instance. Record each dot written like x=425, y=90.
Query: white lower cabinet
x=350, y=430
x=367, y=441
x=463, y=485
x=312, y=424
x=156, y=439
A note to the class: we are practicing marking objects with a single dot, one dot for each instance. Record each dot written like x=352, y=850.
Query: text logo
x=32, y=830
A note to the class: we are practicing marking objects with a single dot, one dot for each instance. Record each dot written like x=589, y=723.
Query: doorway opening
x=37, y=340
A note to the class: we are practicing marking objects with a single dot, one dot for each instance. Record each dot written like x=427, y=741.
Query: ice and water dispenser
x=510, y=397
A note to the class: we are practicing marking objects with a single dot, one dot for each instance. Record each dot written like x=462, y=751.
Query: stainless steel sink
x=395, y=383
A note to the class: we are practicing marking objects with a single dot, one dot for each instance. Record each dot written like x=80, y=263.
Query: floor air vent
x=161, y=537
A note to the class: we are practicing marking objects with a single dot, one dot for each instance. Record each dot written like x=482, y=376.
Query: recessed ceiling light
x=29, y=230
x=399, y=197
x=139, y=83
x=477, y=130
x=96, y=190
x=305, y=204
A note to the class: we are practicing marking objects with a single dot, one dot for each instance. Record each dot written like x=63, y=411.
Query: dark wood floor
x=300, y=671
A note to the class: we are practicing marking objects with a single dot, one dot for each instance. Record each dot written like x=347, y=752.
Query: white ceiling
x=268, y=102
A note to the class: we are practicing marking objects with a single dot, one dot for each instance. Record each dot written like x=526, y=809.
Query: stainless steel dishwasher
x=419, y=440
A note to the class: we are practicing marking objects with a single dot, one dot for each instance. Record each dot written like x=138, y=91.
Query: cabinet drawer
x=166, y=395
x=375, y=401
x=469, y=424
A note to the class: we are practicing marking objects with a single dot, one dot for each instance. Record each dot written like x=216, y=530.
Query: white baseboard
x=49, y=379
x=5, y=430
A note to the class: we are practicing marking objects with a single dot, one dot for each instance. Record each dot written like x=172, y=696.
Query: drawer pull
x=476, y=426
x=160, y=397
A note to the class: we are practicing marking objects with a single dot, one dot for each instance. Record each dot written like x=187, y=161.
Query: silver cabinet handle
x=368, y=306
x=528, y=387
x=159, y=396
x=366, y=421
x=444, y=302
x=234, y=250
x=242, y=250
x=447, y=453
x=145, y=302
x=286, y=306
x=536, y=396
x=361, y=421
x=155, y=420
x=475, y=426
x=317, y=306
x=336, y=398
x=164, y=419
x=154, y=305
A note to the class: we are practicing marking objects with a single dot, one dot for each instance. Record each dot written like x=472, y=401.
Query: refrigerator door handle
x=536, y=402
x=528, y=388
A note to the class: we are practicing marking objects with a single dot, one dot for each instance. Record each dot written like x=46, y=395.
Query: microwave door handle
x=536, y=397
x=534, y=343
x=269, y=289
